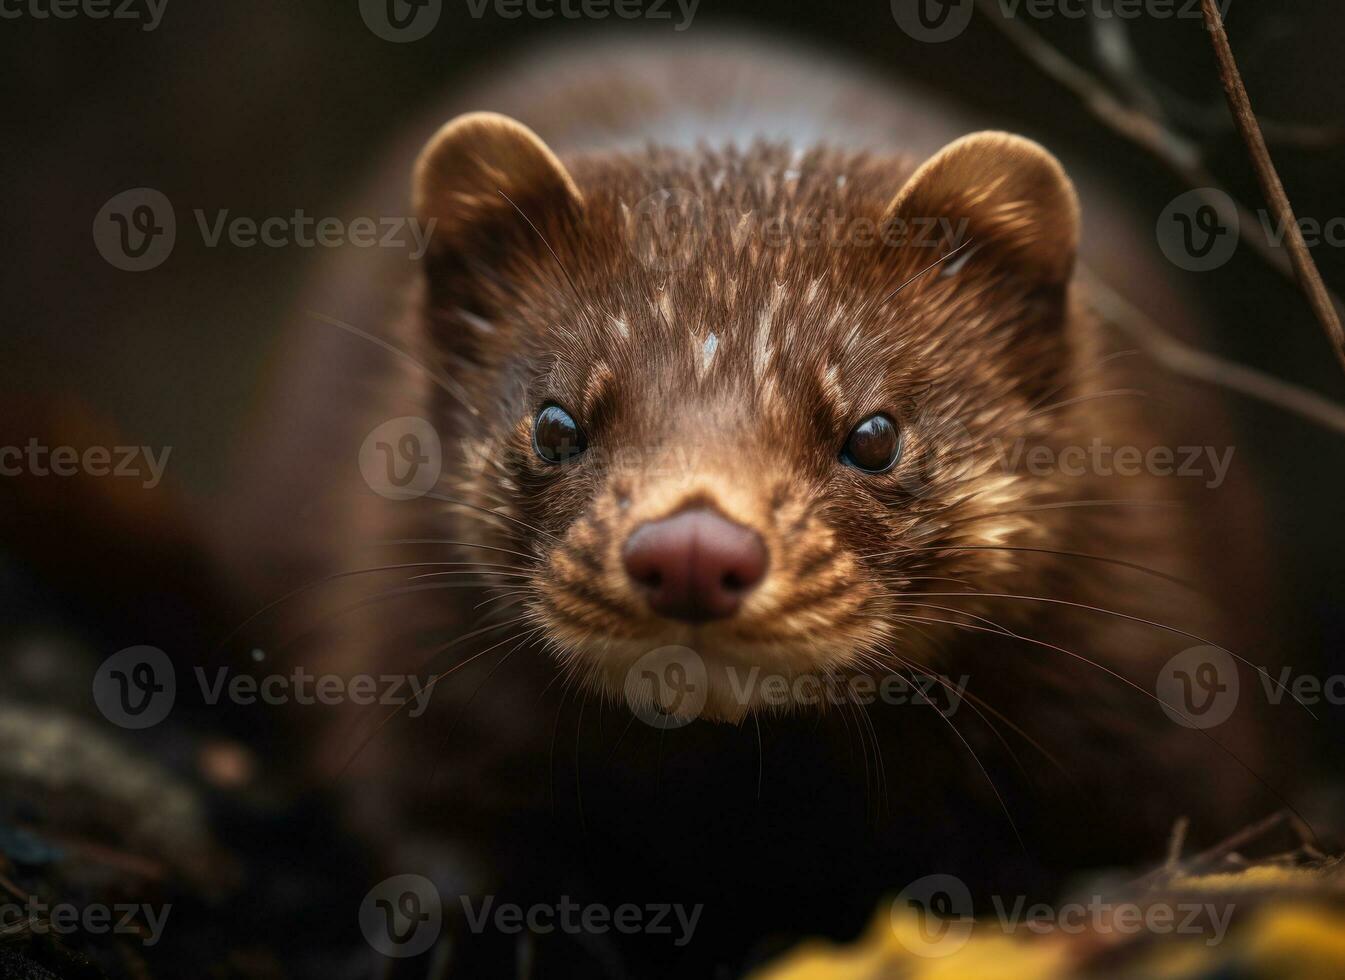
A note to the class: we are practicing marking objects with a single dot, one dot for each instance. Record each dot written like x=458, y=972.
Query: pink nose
x=695, y=565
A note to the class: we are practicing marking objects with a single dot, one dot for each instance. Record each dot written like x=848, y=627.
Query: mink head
x=737, y=401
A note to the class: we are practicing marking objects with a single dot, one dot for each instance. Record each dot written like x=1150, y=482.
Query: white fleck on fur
x=761, y=343
x=831, y=382
x=954, y=267
x=741, y=230
x=476, y=322
x=708, y=350
x=665, y=305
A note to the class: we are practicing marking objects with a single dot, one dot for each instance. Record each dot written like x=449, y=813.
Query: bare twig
x=1230, y=845
x=1179, y=154
x=1115, y=52
x=1176, y=843
x=1191, y=362
x=1309, y=278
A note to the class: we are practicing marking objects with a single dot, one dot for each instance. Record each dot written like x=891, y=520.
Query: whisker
x=555, y=734
x=1119, y=615
x=1065, y=505
x=761, y=752
x=1046, y=551
x=995, y=433
x=448, y=736
x=434, y=681
x=480, y=631
x=984, y=772
x=578, y=768
x=493, y=574
x=505, y=595
x=1115, y=355
x=977, y=700
x=447, y=384
x=1193, y=724
x=880, y=764
x=335, y=576
x=1080, y=399
x=435, y=495
x=330, y=616
x=579, y=298
x=462, y=544
x=926, y=270
x=958, y=612
x=620, y=738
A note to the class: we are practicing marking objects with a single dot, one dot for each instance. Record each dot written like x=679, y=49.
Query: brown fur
x=806, y=344
x=543, y=286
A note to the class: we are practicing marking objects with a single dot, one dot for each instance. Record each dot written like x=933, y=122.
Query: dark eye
x=873, y=446
x=556, y=436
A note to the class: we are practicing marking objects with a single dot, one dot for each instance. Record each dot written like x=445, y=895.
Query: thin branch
x=1179, y=154
x=1201, y=365
x=1115, y=52
x=1176, y=843
x=1309, y=278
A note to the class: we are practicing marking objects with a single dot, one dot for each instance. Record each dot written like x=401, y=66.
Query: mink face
x=740, y=435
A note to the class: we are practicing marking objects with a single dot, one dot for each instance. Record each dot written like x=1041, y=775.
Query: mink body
x=529, y=778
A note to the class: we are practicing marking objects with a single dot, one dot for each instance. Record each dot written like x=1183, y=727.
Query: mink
x=740, y=352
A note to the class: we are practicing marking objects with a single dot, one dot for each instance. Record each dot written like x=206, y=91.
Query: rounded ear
x=472, y=169
x=1007, y=194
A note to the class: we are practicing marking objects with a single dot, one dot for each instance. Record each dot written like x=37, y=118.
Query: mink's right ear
x=477, y=179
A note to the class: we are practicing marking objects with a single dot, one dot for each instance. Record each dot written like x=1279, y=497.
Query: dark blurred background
x=263, y=107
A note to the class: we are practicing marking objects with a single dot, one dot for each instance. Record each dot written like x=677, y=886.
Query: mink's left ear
x=1007, y=194
x=490, y=192
x=477, y=174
